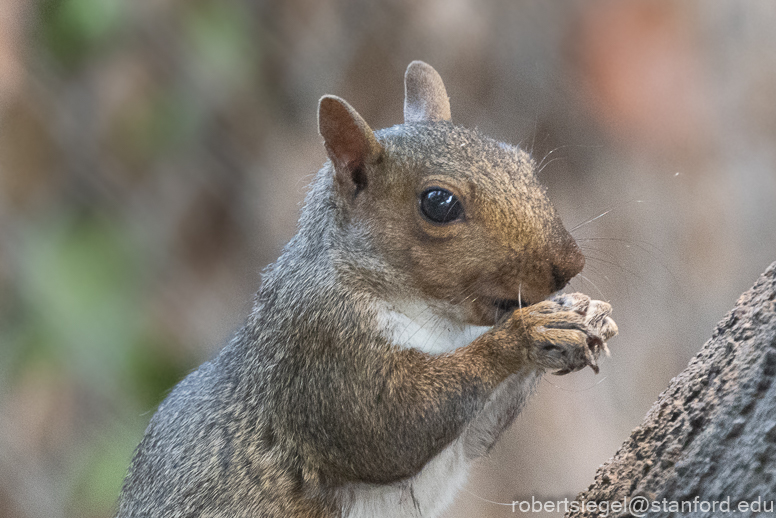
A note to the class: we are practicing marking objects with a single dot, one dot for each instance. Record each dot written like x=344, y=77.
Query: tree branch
x=711, y=435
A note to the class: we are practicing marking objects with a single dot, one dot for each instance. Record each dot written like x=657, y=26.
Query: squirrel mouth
x=509, y=305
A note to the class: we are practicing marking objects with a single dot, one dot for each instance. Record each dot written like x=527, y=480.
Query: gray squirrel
x=397, y=336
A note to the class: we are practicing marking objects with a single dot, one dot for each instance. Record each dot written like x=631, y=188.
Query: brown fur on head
x=509, y=245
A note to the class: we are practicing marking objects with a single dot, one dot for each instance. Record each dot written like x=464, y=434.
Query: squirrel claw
x=594, y=347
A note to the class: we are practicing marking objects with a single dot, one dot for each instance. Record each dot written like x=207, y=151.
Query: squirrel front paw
x=567, y=332
x=597, y=315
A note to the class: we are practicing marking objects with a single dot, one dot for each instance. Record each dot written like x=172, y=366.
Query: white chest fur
x=419, y=326
x=425, y=495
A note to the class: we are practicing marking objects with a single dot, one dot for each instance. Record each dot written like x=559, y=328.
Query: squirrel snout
x=563, y=271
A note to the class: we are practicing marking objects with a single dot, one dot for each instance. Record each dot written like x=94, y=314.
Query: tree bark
x=711, y=435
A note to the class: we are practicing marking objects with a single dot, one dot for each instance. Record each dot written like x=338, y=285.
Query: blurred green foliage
x=98, y=471
x=83, y=316
x=74, y=29
x=77, y=278
x=123, y=88
x=154, y=125
x=220, y=43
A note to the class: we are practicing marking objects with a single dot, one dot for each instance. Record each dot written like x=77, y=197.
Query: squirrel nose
x=563, y=271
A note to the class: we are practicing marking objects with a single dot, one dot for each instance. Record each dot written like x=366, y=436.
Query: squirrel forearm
x=392, y=419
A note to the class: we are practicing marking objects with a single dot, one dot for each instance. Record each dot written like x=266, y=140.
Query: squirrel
x=397, y=336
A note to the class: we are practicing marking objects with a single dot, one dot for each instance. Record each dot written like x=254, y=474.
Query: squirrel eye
x=440, y=205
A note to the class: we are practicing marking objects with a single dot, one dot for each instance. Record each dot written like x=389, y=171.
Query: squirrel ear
x=425, y=97
x=349, y=141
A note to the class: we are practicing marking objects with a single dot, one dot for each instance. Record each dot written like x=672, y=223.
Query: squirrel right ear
x=349, y=141
x=425, y=97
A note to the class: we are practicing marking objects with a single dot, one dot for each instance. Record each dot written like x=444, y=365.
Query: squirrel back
x=396, y=337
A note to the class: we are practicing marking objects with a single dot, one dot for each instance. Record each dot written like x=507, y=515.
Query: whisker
x=642, y=244
x=541, y=168
x=465, y=294
x=591, y=220
x=593, y=268
x=533, y=138
x=612, y=285
x=433, y=323
x=603, y=297
x=423, y=326
x=520, y=303
x=486, y=500
x=588, y=248
x=607, y=211
x=616, y=265
x=594, y=385
x=655, y=252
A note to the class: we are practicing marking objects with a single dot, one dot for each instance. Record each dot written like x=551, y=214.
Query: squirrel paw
x=567, y=332
x=597, y=318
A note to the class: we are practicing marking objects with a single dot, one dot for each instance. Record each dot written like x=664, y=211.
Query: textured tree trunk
x=708, y=445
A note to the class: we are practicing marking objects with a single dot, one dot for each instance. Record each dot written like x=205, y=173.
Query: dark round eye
x=440, y=205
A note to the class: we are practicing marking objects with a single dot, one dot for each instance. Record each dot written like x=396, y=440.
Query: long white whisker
x=548, y=163
x=486, y=500
x=539, y=167
x=607, y=211
x=593, y=285
x=648, y=248
x=592, y=220
x=594, y=385
x=533, y=138
x=596, y=271
x=616, y=265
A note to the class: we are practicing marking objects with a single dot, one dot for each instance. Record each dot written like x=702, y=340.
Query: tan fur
x=325, y=404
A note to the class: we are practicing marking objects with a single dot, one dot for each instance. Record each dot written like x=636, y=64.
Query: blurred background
x=153, y=155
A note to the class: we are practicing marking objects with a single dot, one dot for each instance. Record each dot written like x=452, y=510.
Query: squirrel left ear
x=349, y=141
x=425, y=97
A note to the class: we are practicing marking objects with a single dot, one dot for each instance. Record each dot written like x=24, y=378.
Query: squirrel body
x=399, y=333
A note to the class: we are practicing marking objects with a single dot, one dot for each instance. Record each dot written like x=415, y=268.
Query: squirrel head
x=451, y=217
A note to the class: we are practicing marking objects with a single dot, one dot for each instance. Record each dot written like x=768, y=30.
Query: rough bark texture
x=712, y=433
